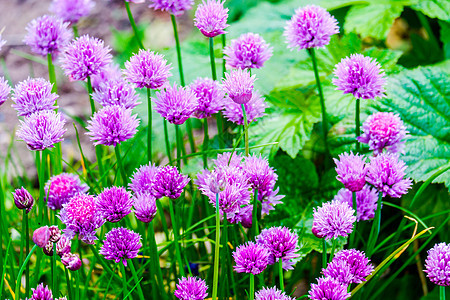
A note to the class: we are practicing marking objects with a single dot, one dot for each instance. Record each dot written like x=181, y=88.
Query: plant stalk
x=216, y=252
x=19, y=275
x=176, y=238
x=355, y=208
x=205, y=143
x=150, y=125
x=133, y=25
x=124, y=279
x=357, y=125
x=324, y=253
x=245, y=127
x=375, y=227
x=135, y=277
x=120, y=163
x=333, y=248
x=280, y=268
x=255, y=213
x=251, y=295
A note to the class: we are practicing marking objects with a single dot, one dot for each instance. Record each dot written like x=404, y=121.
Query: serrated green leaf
x=434, y=8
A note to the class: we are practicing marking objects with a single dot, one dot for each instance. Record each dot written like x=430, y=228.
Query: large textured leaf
x=422, y=99
x=445, y=37
x=434, y=8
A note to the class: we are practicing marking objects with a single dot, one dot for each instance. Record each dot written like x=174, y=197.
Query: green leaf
x=434, y=8
x=445, y=37
x=372, y=20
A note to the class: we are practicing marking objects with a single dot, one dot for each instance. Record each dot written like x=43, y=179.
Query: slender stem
x=255, y=213
x=375, y=227
x=120, y=163
x=178, y=138
x=124, y=279
x=245, y=127
x=224, y=68
x=322, y=100
x=150, y=125
x=19, y=275
x=55, y=288
x=166, y=140
x=91, y=100
x=357, y=125
x=160, y=210
x=176, y=237
x=280, y=268
x=156, y=267
x=133, y=25
x=355, y=208
x=2, y=201
x=27, y=248
x=212, y=58
x=75, y=30
x=177, y=42
x=324, y=253
x=251, y=295
x=442, y=292
x=135, y=277
x=40, y=158
x=69, y=289
x=205, y=143
x=216, y=252
x=333, y=248
x=51, y=73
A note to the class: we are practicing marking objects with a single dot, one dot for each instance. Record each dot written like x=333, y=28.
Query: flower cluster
x=366, y=202
x=437, y=264
x=114, y=203
x=174, y=7
x=61, y=188
x=238, y=85
x=271, y=294
x=191, y=288
x=333, y=219
x=72, y=10
x=251, y=258
x=211, y=18
x=250, y=50
x=144, y=207
x=175, y=104
x=41, y=292
x=33, y=95
x=121, y=244
x=5, y=89
x=116, y=92
x=254, y=109
x=210, y=97
x=328, y=288
x=45, y=237
x=23, y=199
x=169, y=182
x=351, y=171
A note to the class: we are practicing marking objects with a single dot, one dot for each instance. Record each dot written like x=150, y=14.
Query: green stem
x=51, y=73
x=352, y=235
x=124, y=279
x=156, y=267
x=224, y=42
x=280, y=269
x=150, y=125
x=176, y=238
x=120, y=163
x=255, y=214
x=55, y=288
x=442, y=292
x=212, y=59
x=357, y=124
x=322, y=100
x=375, y=227
x=27, y=248
x=178, y=139
x=40, y=158
x=333, y=248
x=19, y=275
x=205, y=143
x=251, y=295
x=69, y=289
x=135, y=277
x=245, y=126
x=160, y=210
x=133, y=25
x=216, y=252
x=324, y=253
x=91, y=100
x=75, y=30
x=166, y=140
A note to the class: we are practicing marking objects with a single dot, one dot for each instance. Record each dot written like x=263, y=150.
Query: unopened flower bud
x=23, y=199
x=55, y=233
x=63, y=245
x=71, y=261
x=48, y=249
x=41, y=236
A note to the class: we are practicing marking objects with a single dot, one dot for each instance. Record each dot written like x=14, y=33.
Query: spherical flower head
x=437, y=264
x=386, y=173
x=329, y=289
x=114, y=203
x=238, y=85
x=42, y=130
x=23, y=199
x=383, y=130
x=269, y=199
x=143, y=179
x=333, y=219
x=55, y=233
x=71, y=261
x=249, y=51
x=254, y=109
x=210, y=97
x=251, y=258
x=351, y=169
x=191, y=288
x=271, y=294
x=169, y=183
x=260, y=175
x=310, y=27
x=32, y=95
x=47, y=35
x=112, y=125
x=175, y=104
x=41, y=292
x=111, y=72
x=145, y=207
x=229, y=159
x=281, y=243
x=174, y=7
x=121, y=244
x=116, y=92
x=349, y=266
x=72, y=10
x=41, y=236
x=84, y=57
x=60, y=188
x=5, y=89
x=63, y=246
x=81, y=216
x=366, y=201
x=147, y=69
x=361, y=76
x=211, y=18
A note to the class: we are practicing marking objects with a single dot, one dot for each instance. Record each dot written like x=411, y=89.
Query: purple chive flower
x=437, y=264
x=281, y=243
x=5, y=89
x=333, y=219
x=238, y=84
x=116, y=92
x=111, y=72
x=32, y=95
x=223, y=160
x=271, y=294
x=251, y=258
x=121, y=244
x=169, y=183
x=42, y=129
x=210, y=97
x=361, y=76
x=174, y=7
x=384, y=130
x=55, y=233
x=112, y=125
x=211, y=18
x=72, y=10
x=135, y=1
x=329, y=289
x=48, y=249
x=147, y=69
x=114, y=203
x=349, y=266
x=250, y=50
x=145, y=207
x=176, y=104
x=143, y=179
x=84, y=57
x=71, y=261
x=253, y=109
x=41, y=236
x=386, y=173
x=41, y=292
x=366, y=202
x=23, y=199
x=63, y=246
x=60, y=188
x=47, y=35
x=191, y=288
x=351, y=169
x=310, y=27
x=81, y=216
